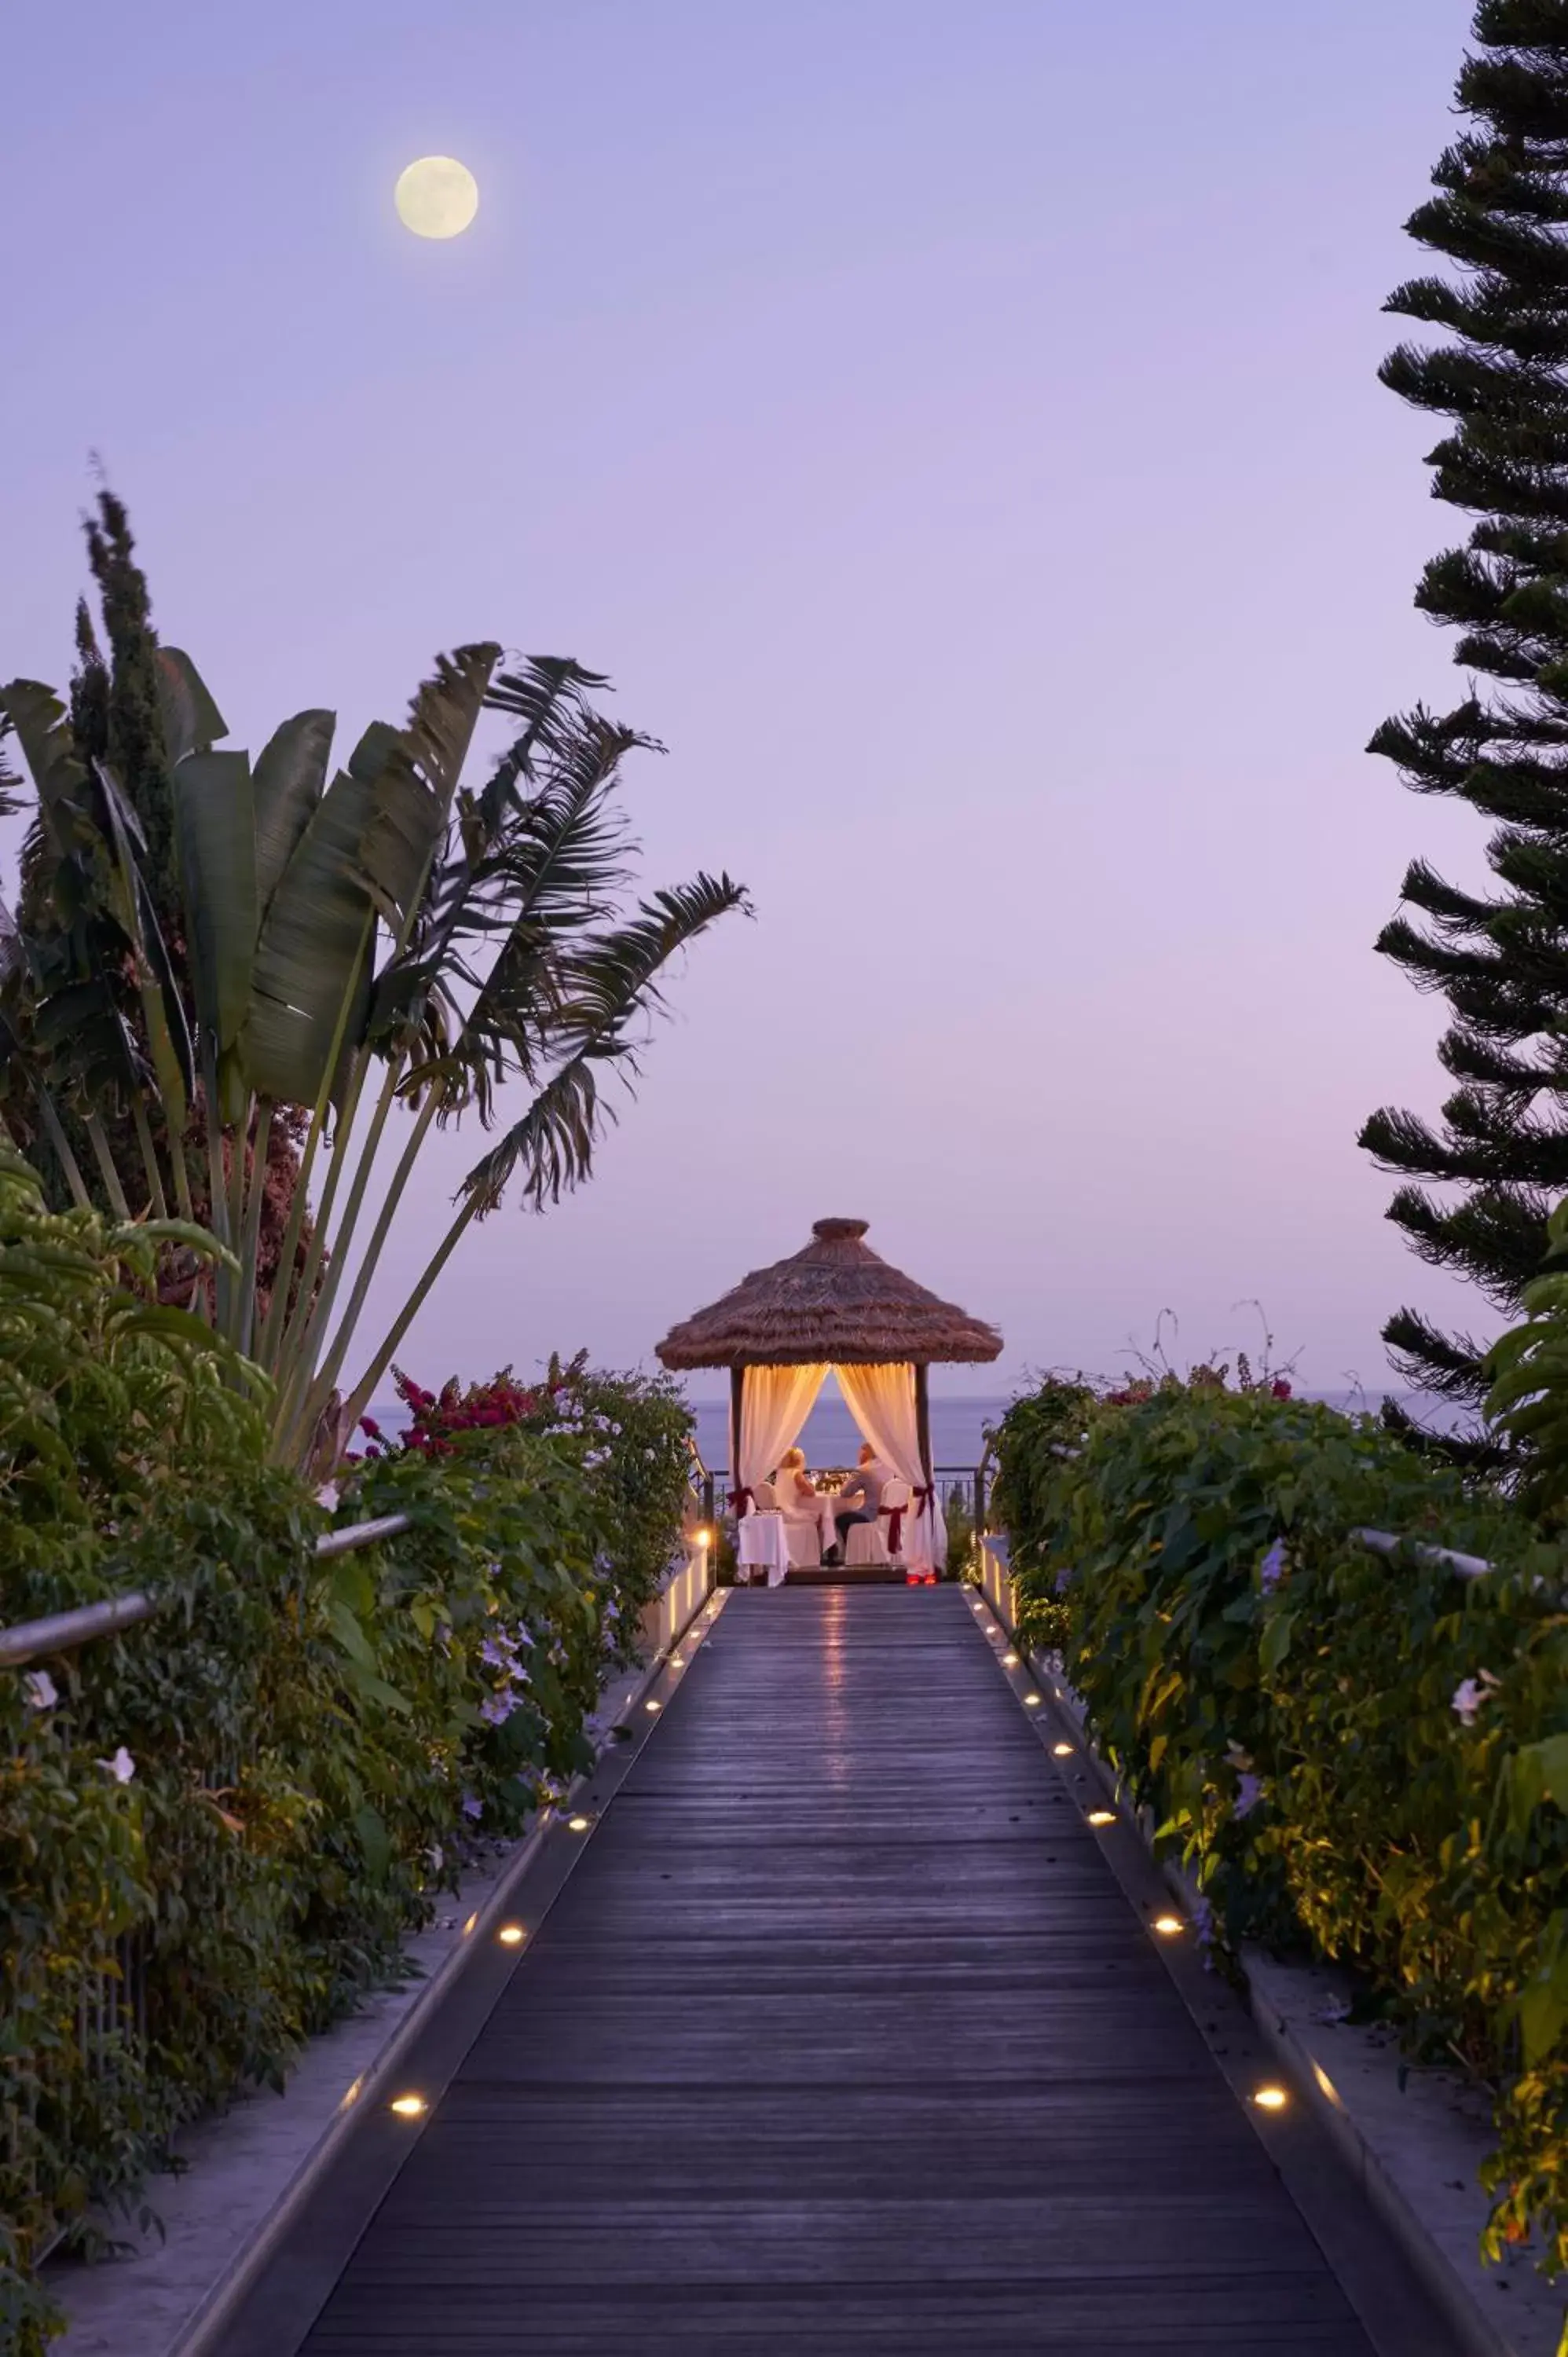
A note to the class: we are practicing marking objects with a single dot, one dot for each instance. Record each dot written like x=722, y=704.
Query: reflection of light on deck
x=836, y=1755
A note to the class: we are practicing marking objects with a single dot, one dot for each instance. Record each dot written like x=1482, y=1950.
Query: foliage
x=1527, y=1369
x=959, y=1516
x=630, y=1433
x=215, y=1826
x=349, y=956
x=1500, y=1153
x=1352, y=1753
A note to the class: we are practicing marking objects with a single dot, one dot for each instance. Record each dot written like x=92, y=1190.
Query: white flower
x=41, y=1693
x=327, y=1496
x=121, y=1767
x=1470, y=1694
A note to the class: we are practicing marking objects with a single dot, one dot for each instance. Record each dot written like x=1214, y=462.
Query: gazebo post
x=923, y=1415
x=737, y=1397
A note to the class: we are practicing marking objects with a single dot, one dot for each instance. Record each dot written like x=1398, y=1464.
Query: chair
x=803, y=1537
x=868, y=1541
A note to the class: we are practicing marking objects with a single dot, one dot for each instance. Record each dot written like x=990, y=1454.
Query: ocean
x=958, y=1426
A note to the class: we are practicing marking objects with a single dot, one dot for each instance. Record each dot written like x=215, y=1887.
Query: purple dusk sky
x=955, y=430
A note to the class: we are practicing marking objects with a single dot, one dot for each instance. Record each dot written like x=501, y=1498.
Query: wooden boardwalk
x=842, y=2036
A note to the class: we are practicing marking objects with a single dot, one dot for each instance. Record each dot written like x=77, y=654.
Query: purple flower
x=1248, y=1793
x=472, y=1805
x=497, y=1708
x=1271, y=1569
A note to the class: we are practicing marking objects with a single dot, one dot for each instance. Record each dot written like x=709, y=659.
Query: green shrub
x=1353, y=1752
x=215, y=1826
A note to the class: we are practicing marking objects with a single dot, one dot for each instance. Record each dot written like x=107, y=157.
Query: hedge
x=1358, y=1756
x=257, y=1794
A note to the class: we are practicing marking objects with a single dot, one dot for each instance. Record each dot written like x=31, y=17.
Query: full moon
x=436, y=197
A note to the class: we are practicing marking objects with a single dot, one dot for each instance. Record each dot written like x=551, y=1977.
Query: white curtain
x=882, y=1402
x=774, y=1405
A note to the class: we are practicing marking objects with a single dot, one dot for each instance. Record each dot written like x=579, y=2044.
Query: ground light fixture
x=1009, y=1660
x=1031, y=1701
x=1061, y=1752
x=1102, y=1816
x=1168, y=1926
x=409, y=2107
x=511, y=1935
x=650, y=1704
x=1270, y=2098
x=577, y=1824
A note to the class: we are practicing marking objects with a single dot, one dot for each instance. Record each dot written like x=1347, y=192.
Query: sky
x=955, y=430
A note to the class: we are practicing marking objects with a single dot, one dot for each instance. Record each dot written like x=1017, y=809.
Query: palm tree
x=368, y=953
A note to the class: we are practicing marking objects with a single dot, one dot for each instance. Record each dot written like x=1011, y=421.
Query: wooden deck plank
x=841, y=2035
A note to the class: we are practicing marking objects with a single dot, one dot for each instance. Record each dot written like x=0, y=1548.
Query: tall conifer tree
x=1499, y=1156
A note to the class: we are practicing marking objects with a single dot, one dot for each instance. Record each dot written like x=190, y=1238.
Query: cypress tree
x=1499, y=1155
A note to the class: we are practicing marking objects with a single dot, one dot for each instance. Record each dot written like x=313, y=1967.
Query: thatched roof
x=837, y=1301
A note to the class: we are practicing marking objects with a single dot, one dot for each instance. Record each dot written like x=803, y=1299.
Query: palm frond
x=10, y=779
x=550, y=695
x=528, y=870
x=616, y=982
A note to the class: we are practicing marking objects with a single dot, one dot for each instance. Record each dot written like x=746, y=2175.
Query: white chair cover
x=870, y=1542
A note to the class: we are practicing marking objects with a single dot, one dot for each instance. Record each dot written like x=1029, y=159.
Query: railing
x=996, y=1579
x=61, y=1633
x=1468, y=1566
x=701, y=1484
x=966, y=1483
x=112, y=2007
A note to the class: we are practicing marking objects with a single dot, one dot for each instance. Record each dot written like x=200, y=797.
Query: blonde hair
x=791, y=1459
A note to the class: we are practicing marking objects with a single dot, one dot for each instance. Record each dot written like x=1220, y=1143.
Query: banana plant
x=367, y=953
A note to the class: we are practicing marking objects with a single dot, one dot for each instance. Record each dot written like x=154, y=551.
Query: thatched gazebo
x=835, y=1305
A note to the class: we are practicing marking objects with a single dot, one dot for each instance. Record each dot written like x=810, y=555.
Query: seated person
x=799, y=1501
x=861, y=1496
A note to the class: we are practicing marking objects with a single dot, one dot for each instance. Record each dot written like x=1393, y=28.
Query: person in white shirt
x=861, y=1497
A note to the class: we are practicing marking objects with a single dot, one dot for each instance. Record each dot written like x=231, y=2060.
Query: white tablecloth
x=762, y=1544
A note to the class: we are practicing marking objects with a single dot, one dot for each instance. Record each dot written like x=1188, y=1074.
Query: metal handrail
x=1468, y=1566
x=61, y=1633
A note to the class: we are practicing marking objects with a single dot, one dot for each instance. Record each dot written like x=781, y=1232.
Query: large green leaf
x=190, y=718
x=289, y=780
x=313, y=957
x=215, y=828
x=59, y=779
x=418, y=776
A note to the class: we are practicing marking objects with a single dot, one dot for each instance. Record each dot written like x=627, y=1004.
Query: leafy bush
x=1354, y=1753
x=631, y=1432
x=215, y=1826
